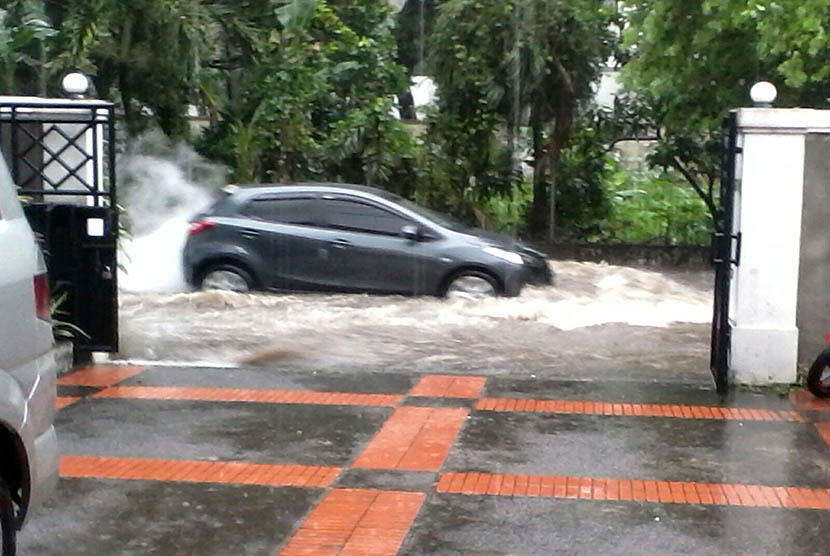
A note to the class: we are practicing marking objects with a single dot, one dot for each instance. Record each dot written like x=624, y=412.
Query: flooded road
x=598, y=321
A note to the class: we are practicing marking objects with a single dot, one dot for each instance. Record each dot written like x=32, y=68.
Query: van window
x=9, y=205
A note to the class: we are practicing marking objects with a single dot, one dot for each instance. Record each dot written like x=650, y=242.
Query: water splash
x=163, y=185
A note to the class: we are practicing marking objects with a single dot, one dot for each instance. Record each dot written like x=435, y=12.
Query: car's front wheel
x=7, y=521
x=227, y=277
x=471, y=284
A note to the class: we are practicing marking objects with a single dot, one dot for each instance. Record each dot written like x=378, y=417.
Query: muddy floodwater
x=598, y=321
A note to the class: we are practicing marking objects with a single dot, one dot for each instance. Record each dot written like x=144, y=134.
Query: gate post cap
x=763, y=94
x=76, y=84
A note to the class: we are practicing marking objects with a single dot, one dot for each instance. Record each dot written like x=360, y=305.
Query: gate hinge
x=722, y=248
x=738, y=240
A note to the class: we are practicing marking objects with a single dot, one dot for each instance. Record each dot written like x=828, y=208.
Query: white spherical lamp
x=763, y=94
x=76, y=84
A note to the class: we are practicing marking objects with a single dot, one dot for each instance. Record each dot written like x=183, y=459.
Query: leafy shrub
x=652, y=207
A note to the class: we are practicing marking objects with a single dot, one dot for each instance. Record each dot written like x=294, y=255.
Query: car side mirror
x=410, y=232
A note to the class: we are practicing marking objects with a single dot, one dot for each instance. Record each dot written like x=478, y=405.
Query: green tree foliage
x=317, y=99
x=693, y=61
x=149, y=51
x=304, y=89
x=585, y=167
x=26, y=33
x=145, y=53
x=502, y=65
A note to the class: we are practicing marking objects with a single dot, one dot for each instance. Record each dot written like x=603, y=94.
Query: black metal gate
x=62, y=157
x=726, y=252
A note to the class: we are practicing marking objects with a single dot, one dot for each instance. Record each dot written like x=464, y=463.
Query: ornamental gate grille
x=62, y=157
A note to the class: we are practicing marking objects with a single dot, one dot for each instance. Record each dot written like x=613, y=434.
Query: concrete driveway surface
x=201, y=461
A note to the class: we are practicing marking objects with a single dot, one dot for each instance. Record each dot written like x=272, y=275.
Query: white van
x=28, y=369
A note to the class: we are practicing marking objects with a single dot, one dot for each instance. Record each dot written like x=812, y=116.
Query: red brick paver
x=99, y=375
x=637, y=410
x=413, y=439
x=197, y=471
x=63, y=401
x=667, y=492
x=803, y=400
x=356, y=522
x=824, y=431
x=249, y=395
x=449, y=386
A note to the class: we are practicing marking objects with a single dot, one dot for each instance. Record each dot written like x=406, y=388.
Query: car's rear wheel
x=227, y=277
x=471, y=284
x=7, y=522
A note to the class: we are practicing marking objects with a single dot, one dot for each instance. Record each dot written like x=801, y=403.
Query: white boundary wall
x=768, y=210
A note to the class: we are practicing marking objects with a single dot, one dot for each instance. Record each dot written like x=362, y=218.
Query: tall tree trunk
x=540, y=207
x=9, y=76
x=546, y=150
x=514, y=117
x=171, y=121
x=106, y=79
x=552, y=208
x=406, y=103
x=132, y=119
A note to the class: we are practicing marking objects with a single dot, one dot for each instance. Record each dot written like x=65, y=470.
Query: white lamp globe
x=76, y=84
x=763, y=93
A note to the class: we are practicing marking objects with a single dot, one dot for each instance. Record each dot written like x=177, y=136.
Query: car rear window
x=301, y=211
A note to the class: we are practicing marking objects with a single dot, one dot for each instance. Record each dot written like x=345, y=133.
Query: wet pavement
x=265, y=461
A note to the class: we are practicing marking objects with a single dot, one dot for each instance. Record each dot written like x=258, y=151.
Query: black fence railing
x=62, y=157
x=60, y=149
x=725, y=256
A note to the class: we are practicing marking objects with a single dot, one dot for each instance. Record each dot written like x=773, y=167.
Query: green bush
x=653, y=207
x=506, y=213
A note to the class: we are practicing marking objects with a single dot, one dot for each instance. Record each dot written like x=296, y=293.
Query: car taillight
x=199, y=226
x=43, y=307
x=827, y=338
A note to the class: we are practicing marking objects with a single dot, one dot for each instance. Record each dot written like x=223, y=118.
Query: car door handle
x=341, y=243
x=250, y=233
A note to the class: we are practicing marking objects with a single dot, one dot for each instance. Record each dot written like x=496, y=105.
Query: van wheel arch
x=14, y=472
x=8, y=522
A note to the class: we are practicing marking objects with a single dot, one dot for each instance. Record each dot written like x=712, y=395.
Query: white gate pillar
x=768, y=213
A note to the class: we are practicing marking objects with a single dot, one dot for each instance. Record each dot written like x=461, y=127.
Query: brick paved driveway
x=248, y=461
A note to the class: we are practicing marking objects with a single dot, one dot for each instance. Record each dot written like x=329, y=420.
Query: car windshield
x=443, y=220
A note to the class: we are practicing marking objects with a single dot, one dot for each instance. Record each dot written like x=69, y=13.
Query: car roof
x=246, y=191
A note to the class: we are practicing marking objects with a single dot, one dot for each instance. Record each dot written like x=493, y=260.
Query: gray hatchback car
x=337, y=237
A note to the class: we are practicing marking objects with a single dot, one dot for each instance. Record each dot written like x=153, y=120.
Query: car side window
x=296, y=211
x=354, y=216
